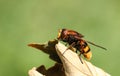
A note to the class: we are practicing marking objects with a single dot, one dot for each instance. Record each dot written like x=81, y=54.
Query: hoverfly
x=74, y=39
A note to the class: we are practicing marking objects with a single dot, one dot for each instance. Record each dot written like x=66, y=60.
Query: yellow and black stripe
x=86, y=50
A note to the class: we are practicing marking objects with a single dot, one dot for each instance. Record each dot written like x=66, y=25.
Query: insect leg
x=80, y=57
x=73, y=44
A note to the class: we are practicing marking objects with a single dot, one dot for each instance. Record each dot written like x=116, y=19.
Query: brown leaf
x=56, y=70
x=71, y=64
x=48, y=48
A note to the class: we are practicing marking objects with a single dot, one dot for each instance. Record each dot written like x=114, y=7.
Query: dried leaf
x=71, y=64
x=56, y=70
x=33, y=72
x=48, y=48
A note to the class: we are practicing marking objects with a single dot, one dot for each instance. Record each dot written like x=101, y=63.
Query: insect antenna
x=97, y=45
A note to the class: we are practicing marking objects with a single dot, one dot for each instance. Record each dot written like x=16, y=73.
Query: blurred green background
x=26, y=21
